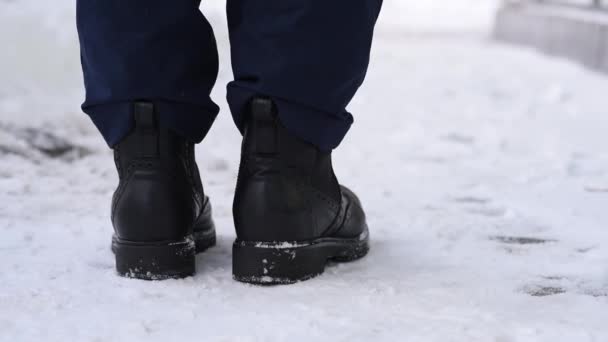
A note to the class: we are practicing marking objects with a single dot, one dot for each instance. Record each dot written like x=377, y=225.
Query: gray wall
x=577, y=33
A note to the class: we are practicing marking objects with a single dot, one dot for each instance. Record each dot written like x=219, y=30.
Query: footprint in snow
x=471, y=200
x=558, y=284
x=521, y=240
x=458, y=138
x=544, y=291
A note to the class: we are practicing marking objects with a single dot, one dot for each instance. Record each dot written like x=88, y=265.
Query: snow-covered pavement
x=483, y=168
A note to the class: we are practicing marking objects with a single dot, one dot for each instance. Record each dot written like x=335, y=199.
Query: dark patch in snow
x=521, y=240
x=471, y=200
x=596, y=190
x=596, y=293
x=515, y=250
x=556, y=284
x=46, y=143
x=488, y=211
x=585, y=249
x=544, y=291
x=51, y=145
x=458, y=139
x=6, y=150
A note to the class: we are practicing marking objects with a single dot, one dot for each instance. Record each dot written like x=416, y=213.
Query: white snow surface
x=483, y=169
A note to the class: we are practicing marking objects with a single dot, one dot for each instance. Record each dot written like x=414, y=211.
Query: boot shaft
x=286, y=190
x=160, y=191
x=152, y=146
x=268, y=145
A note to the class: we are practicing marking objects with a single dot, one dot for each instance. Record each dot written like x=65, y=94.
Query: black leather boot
x=291, y=215
x=160, y=214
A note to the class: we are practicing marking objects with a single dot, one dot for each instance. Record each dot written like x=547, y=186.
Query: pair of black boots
x=291, y=215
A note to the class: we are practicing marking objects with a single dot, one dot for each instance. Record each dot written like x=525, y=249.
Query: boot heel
x=276, y=263
x=155, y=261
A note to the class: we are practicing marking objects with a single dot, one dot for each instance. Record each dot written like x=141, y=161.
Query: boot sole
x=160, y=260
x=278, y=263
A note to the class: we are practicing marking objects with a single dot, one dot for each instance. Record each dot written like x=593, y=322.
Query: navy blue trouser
x=309, y=56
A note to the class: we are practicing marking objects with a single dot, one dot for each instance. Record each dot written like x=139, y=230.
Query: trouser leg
x=154, y=50
x=309, y=56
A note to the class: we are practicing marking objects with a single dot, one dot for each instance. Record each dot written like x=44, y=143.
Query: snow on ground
x=483, y=168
